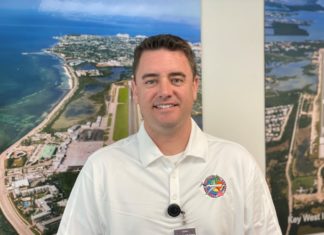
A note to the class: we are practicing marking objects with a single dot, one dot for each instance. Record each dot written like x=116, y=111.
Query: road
x=8, y=210
x=319, y=196
x=112, y=109
x=133, y=122
x=289, y=161
x=321, y=85
x=21, y=226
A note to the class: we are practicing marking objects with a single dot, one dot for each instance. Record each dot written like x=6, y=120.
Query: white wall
x=233, y=72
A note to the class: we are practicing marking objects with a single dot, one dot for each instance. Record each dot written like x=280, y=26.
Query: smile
x=164, y=106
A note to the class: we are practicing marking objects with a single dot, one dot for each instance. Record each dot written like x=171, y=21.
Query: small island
x=39, y=170
x=291, y=29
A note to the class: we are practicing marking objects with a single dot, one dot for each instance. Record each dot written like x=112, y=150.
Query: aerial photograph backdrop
x=65, y=72
x=294, y=119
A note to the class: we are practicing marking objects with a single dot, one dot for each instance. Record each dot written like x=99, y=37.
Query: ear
x=134, y=91
x=195, y=87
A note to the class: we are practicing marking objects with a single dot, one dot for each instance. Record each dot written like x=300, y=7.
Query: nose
x=165, y=88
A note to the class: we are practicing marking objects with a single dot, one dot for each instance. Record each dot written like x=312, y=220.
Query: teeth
x=164, y=106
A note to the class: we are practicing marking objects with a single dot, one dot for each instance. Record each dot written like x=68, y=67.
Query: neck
x=171, y=141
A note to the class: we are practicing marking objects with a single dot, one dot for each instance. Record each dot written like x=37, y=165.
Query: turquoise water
x=31, y=83
x=294, y=70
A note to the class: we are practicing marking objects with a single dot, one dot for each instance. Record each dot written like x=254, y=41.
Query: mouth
x=164, y=106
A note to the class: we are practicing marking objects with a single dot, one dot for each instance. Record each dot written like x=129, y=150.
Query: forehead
x=162, y=59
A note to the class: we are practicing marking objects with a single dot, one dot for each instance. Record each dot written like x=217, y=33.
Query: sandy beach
x=5, y=205
x=66, y=70
x=73, y=83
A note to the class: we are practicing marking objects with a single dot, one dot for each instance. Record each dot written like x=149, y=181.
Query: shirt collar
x=148, y=151
x=197, y=145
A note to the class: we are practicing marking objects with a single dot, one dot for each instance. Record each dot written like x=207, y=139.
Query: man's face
x=165, y=89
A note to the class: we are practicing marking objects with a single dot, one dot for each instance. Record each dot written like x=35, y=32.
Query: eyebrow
x=149, y=75
x=177, y=74
x=155, y=75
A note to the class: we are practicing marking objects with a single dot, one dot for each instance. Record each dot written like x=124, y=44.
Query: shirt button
x=174, y=197
x=169, y=169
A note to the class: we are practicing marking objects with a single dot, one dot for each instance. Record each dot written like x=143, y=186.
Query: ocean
x=315, y=29
x=32, y=82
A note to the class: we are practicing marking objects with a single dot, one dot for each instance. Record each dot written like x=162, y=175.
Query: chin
x=169, y=123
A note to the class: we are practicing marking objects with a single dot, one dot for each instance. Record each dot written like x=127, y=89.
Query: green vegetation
x=309, y=227
x=97, y=97
x=35, y=231
x=307, y=89
x=121, y=122
x=5, y=227
x=26, y=142
x=284, y=78
x=281, y=28
x=281, y=58
x=64, y=182
x=305, y=182
x=48, y=128
x=95, y=103
x=283, y=98
x=51, y=228
x=123, y=95
x=307, y=105
x=310, y=70
x=15, y=162
x=278, y=186
x=303, y=164
x=304, y=121
x=279, y=156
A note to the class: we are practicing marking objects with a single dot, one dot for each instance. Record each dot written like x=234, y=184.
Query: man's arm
x=260, y=214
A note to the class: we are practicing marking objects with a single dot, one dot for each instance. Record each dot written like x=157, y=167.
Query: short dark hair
x=165, y=41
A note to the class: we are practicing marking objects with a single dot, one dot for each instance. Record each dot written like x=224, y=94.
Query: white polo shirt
x=126, y=188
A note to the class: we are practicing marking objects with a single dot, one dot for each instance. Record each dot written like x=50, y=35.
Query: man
x=170, y=177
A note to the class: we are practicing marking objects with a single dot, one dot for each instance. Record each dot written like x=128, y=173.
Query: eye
x=177, y=81
x=150, y=82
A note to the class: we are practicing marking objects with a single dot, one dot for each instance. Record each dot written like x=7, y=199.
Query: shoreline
x=8, y=211
x=70, y=79
x=65, y=66
x=73, y=86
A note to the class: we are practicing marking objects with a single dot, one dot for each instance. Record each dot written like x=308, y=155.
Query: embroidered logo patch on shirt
x=214, y=186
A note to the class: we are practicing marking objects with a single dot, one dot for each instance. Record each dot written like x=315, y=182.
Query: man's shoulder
x=218, y=142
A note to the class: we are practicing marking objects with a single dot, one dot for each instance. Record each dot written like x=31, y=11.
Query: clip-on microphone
x=174, y=210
